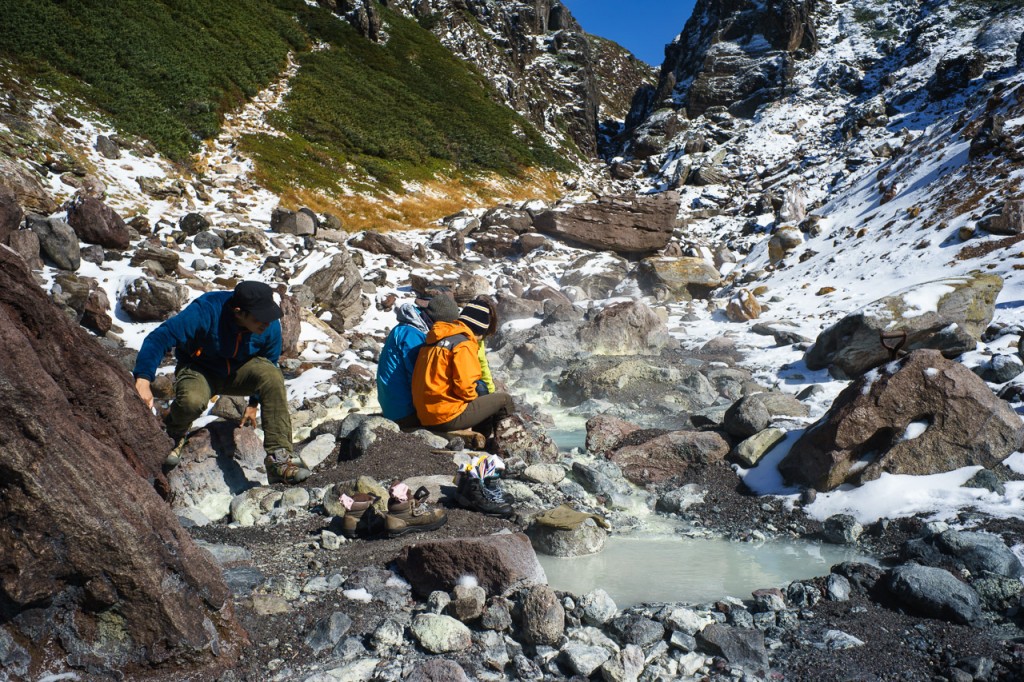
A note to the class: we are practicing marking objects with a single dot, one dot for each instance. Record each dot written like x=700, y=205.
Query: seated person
x=447, y=369
x=398, y=356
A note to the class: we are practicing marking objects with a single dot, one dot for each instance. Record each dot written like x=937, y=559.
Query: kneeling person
x=226, y=343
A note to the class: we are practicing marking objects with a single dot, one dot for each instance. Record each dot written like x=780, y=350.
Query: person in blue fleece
x=225, y=343
x=398, y=356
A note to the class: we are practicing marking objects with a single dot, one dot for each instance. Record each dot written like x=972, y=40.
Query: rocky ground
x=281, y=559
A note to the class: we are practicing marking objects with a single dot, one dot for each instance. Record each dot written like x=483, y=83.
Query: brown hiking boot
x=361, y=520
x=283, y=468
x=174, y=458
x=413, y=515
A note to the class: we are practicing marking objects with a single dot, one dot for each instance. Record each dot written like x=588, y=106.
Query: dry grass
x=428, y=202
x=979, y=250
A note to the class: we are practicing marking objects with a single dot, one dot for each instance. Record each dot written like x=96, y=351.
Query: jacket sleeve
x=272, y=346
x=465, y=371
x=177, y=331
x=485, y=369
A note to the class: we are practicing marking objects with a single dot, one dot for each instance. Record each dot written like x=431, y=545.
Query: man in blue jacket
x=225, y=343
x=398, y=356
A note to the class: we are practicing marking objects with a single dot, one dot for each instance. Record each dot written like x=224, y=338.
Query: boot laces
x=492, y=491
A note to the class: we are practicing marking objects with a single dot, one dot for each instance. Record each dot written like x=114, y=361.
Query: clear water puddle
x=673, y=569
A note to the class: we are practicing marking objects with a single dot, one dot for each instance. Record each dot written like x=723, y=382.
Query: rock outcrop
x=96, y=568
x=627, y=225
x=922, y=415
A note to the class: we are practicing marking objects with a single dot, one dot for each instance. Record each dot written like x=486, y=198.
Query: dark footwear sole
x=417, y=529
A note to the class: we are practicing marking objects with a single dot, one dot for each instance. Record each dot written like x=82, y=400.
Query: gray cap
x=440, y=308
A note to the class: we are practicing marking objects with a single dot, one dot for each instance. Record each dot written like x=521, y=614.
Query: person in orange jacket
x=444, y=380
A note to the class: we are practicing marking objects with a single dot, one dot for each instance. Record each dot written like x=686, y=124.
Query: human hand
x=145, y=392
x=249, y=416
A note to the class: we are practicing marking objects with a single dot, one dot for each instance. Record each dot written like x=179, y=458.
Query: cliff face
x=536, y=56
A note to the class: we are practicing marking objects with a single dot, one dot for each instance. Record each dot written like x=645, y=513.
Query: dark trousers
x=483, y=411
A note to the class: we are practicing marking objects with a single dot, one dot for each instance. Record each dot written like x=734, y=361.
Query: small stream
x=693, y=570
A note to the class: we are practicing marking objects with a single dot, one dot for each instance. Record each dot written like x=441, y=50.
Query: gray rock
x=13, y=657
x=837, y=587
x=851, y=346
x=57, y=241
x=934, y=592
x=1000, y=369
x=835, y=640
x=208, y=240
x=150, y=300
x=583, y=659
x=747, y=417
x=987, y=479
x=314, y=453
x=680, y=499
x=842, y=529
x=440, y=634
x=587, y=538
x=437, y=670
x=631, y=628
x=328, y=632
x=742, y=647
x=981, y=553
x=596, y=274
x=598, y=607
x=467, y=602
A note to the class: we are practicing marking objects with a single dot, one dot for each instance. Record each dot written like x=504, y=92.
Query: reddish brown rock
x=93, y=559
x=634, y=225
x=500, y=563
x=668, y=456
x=957, y=420
x=605, y=431
x=96, y=223
x=11, y=214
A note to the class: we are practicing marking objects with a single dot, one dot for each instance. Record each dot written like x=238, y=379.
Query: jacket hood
x=409, y=313
x=442, y=329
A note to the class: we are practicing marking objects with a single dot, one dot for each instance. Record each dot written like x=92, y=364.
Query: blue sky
x=643, y=27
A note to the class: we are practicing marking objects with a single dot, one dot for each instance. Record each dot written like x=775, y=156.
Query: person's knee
x=191, y=404
x=268, y=375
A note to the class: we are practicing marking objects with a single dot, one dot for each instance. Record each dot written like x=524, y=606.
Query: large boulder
x=57, y=241
x=681, y=279
x=668, y=456
x=922, y=415
x=382, y=244
x=500, y=563
x=630, y=225
x=948, y=315
x=96, y=570
x=152, y=300
x=96, y=223
x=625, y=328
x=337, y=288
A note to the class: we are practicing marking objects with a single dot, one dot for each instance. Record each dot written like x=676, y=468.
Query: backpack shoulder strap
x=449, y=342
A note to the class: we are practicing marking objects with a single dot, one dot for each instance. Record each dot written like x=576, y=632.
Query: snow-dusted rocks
x=96, y=223
x=678, y=279
x=151, y=300
x=625, y=328
x=948, y=315
x=337, y=289
x=924, y=414
x=627, y=225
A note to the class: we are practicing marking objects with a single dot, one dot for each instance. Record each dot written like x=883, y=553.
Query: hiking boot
x=413, y=516
x=283, y=468
x=174, y=458
x=484, y=497
x=361, y=519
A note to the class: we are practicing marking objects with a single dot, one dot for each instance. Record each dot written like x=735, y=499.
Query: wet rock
x=605, y=431
x=627, y=225
x=884, y=413
x=963, y=310
x=542, y=616
x=680, y=499
x=499, y=562
x=741, y=647
x=440, y=634
x=934, y=592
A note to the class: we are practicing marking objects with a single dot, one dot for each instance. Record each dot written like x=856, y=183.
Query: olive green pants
x=193, y=391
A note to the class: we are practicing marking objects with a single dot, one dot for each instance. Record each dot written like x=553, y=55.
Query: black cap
x=257, y=299
x=477, y=317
